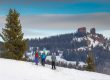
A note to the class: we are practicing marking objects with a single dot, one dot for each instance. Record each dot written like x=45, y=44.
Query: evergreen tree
x=12, y=35
x=90, y=62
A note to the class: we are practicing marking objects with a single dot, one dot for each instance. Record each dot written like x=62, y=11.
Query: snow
x=46, y=51
x=109, y=48
x=78, y=39
x=20, y=70
x=82, y=48
x=92, y=42
x=31, y=54
x=59, y=59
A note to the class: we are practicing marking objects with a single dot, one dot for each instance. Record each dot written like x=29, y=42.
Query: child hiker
x=36, y=58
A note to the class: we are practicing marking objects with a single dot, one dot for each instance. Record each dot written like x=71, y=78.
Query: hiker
x=43, y=57
x=36, y=58
x=53, y=58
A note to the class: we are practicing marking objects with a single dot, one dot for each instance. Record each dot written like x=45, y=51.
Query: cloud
x=67, y=21
x=52, y=24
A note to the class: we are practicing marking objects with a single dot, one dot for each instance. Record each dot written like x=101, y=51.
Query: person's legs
x=43, y=62
x=52, y=64
x=40, y=60
x=36, y=61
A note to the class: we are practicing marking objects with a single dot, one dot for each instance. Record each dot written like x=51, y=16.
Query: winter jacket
x=43, y=56
x=36, y=55
x=53, y=57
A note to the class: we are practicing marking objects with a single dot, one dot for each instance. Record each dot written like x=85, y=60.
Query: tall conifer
x=12, y=35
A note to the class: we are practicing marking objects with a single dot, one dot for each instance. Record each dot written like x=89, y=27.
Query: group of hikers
x=41, y=57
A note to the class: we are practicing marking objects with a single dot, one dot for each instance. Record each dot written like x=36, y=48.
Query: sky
x=44, y=18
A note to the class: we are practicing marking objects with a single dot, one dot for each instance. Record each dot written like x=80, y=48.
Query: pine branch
x=2, y=37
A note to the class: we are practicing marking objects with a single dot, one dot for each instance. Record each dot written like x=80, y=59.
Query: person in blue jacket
x=43, y=57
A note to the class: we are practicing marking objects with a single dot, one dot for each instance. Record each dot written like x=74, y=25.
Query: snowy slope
x=92, y=40
x=19, y=70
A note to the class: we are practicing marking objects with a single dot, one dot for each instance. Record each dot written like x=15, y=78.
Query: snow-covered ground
x=20, y=70
x=59, y=59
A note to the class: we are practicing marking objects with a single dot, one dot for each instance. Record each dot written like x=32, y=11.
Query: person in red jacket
x=36, y=58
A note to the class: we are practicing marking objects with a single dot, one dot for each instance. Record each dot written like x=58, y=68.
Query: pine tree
x=90, y=62
x=12, y=35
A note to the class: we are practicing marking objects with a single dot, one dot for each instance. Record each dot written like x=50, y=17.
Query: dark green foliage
x=90, y=62
x=14, y=43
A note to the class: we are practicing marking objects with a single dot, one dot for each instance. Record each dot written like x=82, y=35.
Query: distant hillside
x=53, y=43
x=75, y=46
x=72, y=42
